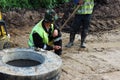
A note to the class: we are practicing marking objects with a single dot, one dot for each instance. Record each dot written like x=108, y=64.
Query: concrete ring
x=48, y=69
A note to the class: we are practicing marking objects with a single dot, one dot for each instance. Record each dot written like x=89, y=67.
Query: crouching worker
x=46, y=35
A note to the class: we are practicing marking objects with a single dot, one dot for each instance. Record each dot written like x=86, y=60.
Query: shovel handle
x=70, y=17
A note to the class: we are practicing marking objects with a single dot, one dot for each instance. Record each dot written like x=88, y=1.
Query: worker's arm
x=38, y=42
x=57, y=31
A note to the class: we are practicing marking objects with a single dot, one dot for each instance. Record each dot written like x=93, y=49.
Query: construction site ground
x=99, y=61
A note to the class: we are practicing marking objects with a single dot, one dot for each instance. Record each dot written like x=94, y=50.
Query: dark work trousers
x=58, y=41
x=81, y=21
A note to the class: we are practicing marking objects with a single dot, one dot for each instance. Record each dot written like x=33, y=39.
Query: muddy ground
x=100, y=61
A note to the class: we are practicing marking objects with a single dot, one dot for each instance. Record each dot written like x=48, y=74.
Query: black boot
x=72, y=37
x=82, y=45
x=83, y=37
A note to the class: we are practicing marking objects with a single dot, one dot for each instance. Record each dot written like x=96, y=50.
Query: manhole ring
x=48, y=69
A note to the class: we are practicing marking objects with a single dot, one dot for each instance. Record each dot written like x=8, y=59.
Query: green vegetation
x=30, y=4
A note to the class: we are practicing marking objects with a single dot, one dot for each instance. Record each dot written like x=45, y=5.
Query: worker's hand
x=80, y=2
x=56, y=47
x=55, y=33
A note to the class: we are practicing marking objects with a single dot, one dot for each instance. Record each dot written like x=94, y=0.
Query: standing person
x=82, y=17
x=46, y=35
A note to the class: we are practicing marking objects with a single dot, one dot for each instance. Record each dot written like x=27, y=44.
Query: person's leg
x=85, y=29
x=74, y=29
x=71, y=40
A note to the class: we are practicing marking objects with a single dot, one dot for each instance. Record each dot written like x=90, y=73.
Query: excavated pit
x=23, y=59
x=23, y=63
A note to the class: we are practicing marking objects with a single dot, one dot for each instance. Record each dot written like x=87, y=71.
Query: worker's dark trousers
x=80, y=20
x=58, y=41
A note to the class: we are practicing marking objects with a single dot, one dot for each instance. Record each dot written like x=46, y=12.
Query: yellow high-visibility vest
x=87, y=7
x=42, y=33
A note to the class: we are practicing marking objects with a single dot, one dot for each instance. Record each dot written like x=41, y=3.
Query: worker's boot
x=83, y=37
x=72, y=37
x=82, y=45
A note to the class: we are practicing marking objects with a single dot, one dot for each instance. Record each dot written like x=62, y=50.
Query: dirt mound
x=109, y=10
x=22, y=18
x=105, y=16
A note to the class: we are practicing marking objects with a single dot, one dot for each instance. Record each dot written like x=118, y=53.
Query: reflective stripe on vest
x=57, y=39
x=87, y=7
x=42, y=33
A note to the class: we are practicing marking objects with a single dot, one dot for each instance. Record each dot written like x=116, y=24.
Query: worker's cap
x=50, y=15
